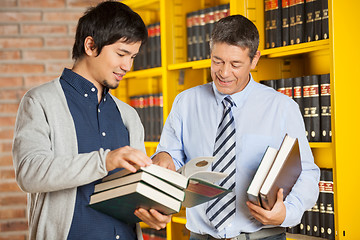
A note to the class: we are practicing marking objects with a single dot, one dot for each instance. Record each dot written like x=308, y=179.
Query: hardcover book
x=121, y=202
x=153, y=187
x=278, y=169
x=283, y=173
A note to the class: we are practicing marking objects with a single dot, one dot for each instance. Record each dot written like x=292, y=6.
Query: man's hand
x=126, y=157
x=275, y=216
x=164, y=159
x=153, y=218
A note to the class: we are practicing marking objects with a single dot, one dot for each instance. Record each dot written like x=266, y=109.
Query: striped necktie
x=221, y=211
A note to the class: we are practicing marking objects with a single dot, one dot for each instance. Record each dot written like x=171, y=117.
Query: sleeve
x=45, y=157
x=171, y=136
x=306, y=190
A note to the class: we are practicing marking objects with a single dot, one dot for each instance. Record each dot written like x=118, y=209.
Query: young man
x=255, y=117
x=71, y=132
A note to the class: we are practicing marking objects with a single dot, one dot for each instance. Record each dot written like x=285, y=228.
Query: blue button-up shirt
x=98, y=125
x=262, y=118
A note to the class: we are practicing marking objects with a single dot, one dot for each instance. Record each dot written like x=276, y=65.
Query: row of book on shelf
x=150, y=110
x=149, y=55
x=319, y=220
x=153, y=234
x=312, y=93
x=199, y=25
x=290, y=22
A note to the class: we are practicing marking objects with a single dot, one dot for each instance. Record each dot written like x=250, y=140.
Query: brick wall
x=36, y=38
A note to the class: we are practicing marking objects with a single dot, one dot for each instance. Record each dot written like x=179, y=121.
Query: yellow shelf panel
x=194, y=65
x=181, y=220
x=320, y=144
x=296, y=49
x=151, y=72
x=151, y=144
x=143, y=4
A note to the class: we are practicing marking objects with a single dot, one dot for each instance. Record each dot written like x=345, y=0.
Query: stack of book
x=312, y=93
x=290, y=22
x=150, y=110
x=199, y=25
x=319, y=220
x=278, y=169
x=149, y=55
x=155, y=187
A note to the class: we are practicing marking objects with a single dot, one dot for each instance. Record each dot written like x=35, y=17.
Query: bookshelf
x=337, y=55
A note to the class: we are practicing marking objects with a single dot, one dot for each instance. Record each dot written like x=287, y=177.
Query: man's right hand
x=126, y=157
x=164, y=159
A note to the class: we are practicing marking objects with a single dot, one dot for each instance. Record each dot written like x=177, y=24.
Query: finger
x=280, y=195
x=160, y=217
x=147, y=218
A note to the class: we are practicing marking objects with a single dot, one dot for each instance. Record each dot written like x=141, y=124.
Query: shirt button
x=104, y=99
x=98, y=110
x=85, y=95
x=117, y=237
x=103, y=133
x=93, y=89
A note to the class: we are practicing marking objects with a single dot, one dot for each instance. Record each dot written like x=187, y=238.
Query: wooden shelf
x=296, y=49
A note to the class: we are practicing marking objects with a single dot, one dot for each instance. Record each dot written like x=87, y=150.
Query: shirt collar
x=239, y=97
x=80, y=84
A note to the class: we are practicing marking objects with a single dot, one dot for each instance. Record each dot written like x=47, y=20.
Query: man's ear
x=255, y=59
x=90, y=46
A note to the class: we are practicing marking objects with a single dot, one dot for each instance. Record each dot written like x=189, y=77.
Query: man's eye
x=121, y=55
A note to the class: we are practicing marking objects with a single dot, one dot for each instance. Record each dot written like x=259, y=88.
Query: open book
x=120, y=193
x=278, y=169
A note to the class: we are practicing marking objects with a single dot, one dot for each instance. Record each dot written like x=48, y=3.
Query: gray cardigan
x=46, y=160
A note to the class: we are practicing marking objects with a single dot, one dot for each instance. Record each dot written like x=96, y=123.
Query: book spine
x=317, y=20
x=322, y=203
x=325, y=105
x=207, y=31
x=325, y=19
x=150, y=47
x=158, y=45
x=298, y=97
x=267, y=23
x=316, y=220
x=285, y=22
x=270, y=83
x=275, y=26
x=151, y=117
x=288, y=87
x=189, y=25
x=309, y=222
x=314, y=109
x=280, y=85
x=329, y=199
x=299, y=21
x=196, y=35
x=309, y=15
x=302, y=225
x=144, y=59
x=307, y=104
x=292, y=19
x=202, y=34
x=212, y=22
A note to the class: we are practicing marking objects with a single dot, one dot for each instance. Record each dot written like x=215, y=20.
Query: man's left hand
x=275, y=216
x=153, y=218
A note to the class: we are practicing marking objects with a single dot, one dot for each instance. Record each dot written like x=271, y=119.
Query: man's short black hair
x=236, y=30
x=107, y=23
